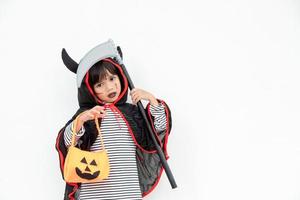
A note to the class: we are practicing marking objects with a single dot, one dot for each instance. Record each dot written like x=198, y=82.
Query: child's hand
x=95, y=112
x=139, y=94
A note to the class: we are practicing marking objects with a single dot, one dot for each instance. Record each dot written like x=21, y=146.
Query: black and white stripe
x=123, y=181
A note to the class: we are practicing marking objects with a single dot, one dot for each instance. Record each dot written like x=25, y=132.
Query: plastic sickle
x=142, y=110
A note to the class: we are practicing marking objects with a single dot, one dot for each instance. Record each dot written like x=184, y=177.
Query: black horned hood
x=86, y=97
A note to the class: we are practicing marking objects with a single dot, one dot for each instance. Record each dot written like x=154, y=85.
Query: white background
x=229, y=70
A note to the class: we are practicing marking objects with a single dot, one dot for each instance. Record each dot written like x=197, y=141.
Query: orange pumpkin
x=86, y=167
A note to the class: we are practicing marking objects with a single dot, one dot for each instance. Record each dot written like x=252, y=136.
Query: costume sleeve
x=158, y=112
x=68, y=134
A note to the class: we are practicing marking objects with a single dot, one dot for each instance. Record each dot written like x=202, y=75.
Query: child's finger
x=133, y=98
x=95, y=113
x=133, y=90
x=136, y=99
x=135, y=95
x=99, y=114
x=99, y=109
x=90, y=116
x=102, y=115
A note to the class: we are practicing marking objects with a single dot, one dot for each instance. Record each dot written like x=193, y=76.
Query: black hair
x=99, y=71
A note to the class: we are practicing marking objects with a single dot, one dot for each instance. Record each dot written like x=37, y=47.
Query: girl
x=135, y=167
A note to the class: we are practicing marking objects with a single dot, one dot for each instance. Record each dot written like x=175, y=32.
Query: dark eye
x=112, y=78
x=99, y=85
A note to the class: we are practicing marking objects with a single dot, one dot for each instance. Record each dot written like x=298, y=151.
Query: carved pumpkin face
x=86, y=167
x=86, y=170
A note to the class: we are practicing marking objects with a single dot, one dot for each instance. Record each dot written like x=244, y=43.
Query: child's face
x=108, y=89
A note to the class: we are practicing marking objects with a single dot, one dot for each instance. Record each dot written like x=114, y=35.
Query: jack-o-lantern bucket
x=85, y=166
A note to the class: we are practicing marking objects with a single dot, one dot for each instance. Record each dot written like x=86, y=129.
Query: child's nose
x=109, y=86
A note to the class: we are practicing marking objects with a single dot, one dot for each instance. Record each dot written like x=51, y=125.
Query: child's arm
x=157, y=109
x=68, y=134
x=160, y=120
x=91, y=114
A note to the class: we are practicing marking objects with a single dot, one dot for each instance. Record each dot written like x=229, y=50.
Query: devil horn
x=68, y=61
x=120, y=51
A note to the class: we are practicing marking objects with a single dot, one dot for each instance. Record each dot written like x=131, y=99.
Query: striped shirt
x=123, y=181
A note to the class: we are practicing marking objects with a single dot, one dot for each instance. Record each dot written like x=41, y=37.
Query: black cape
x=148, y=161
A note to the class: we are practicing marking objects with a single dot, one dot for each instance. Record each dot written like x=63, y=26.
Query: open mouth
x=112, y=95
